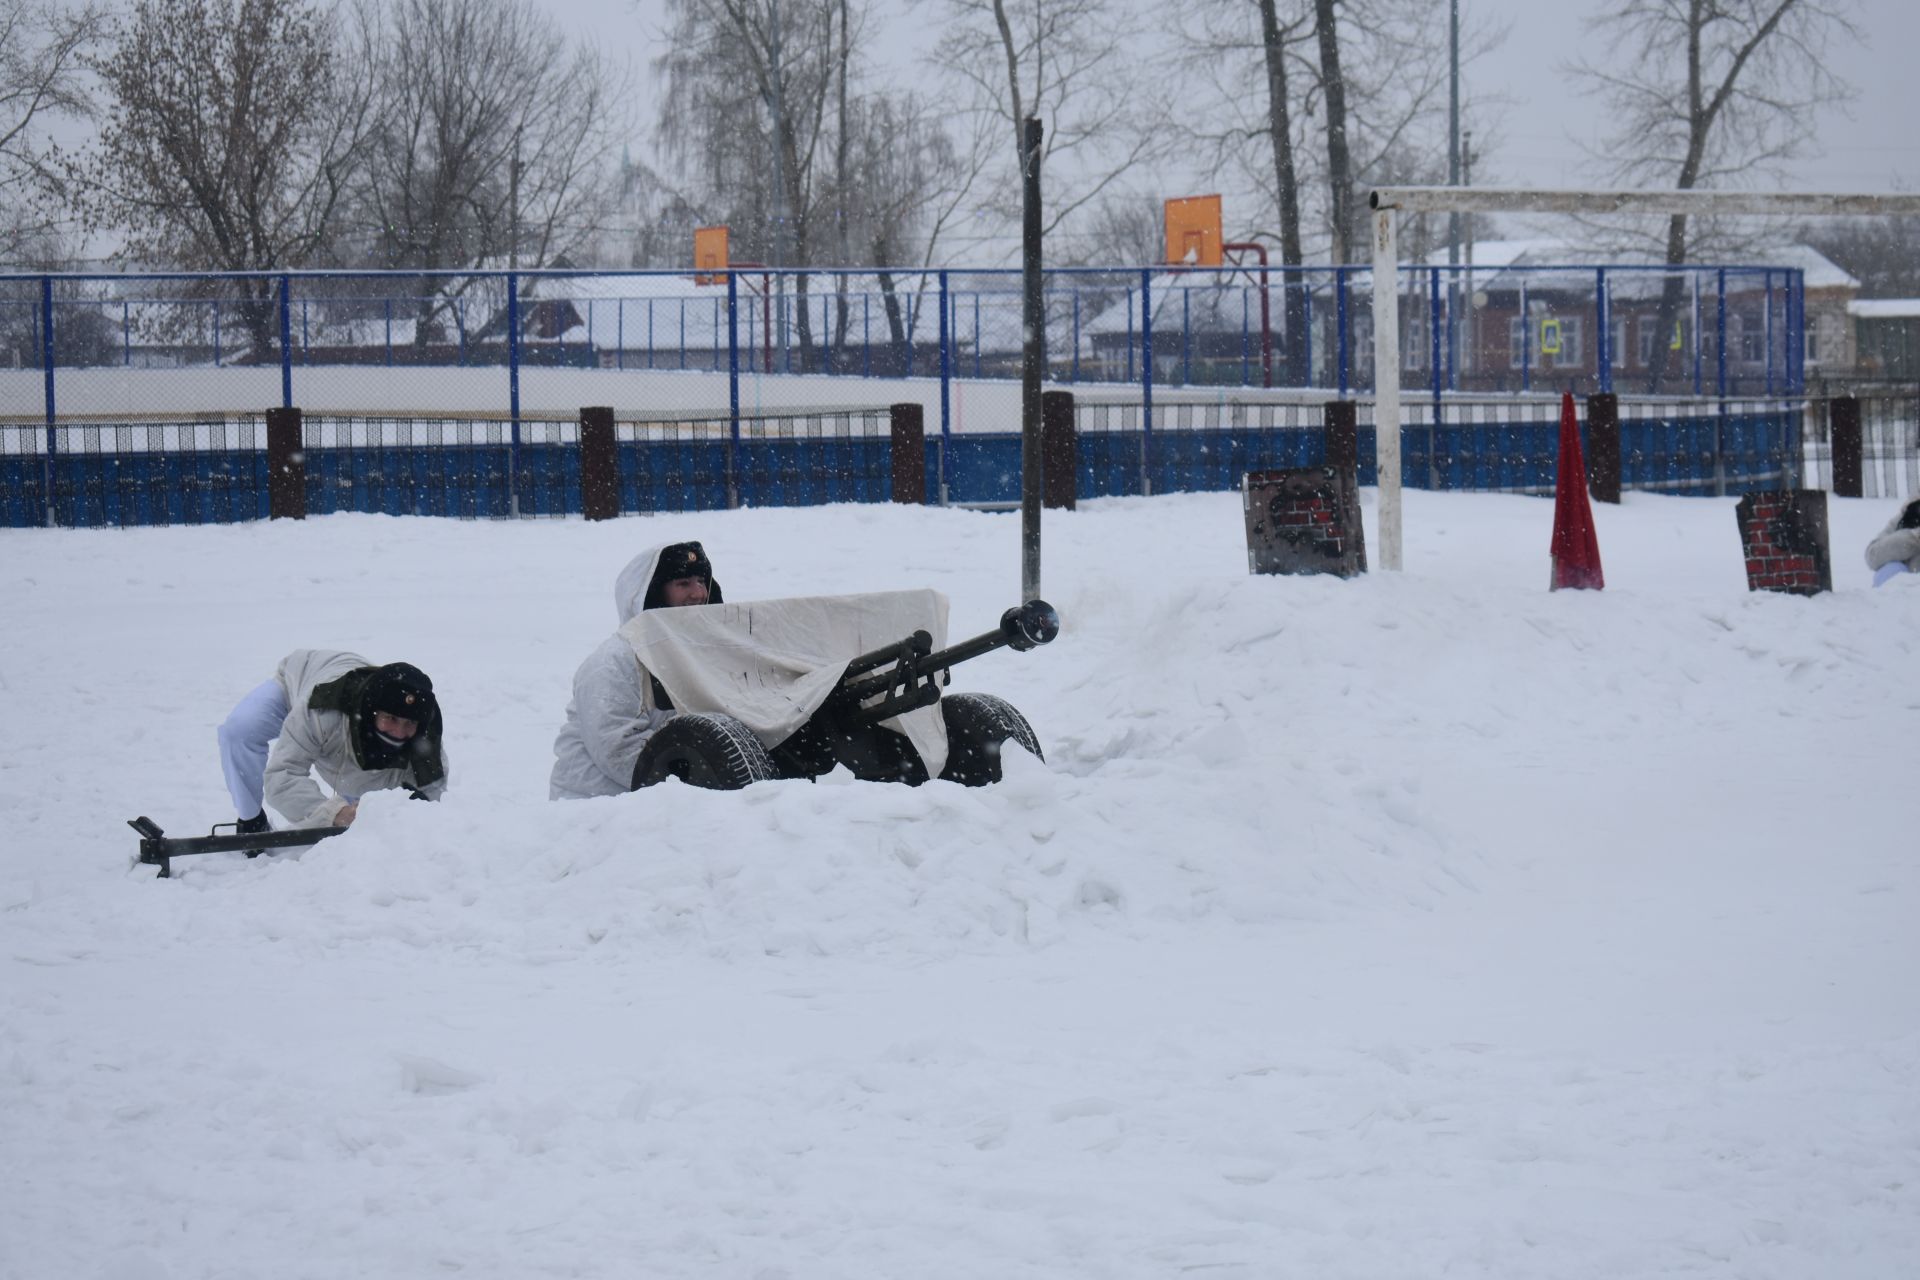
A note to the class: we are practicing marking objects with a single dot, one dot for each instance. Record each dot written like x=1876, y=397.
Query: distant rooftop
x=1884, y=308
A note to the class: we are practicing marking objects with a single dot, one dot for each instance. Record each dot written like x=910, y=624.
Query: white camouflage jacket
x=313, y=742
x=1894, y=543
x=612, y=713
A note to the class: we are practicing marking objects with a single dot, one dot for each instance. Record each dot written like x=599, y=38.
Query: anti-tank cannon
x=866, y=720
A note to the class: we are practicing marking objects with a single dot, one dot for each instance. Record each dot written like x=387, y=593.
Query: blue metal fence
x=108, y=417
x=216, y=471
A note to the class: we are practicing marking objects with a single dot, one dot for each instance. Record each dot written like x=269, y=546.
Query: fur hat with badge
x=680, y=560
x=399, y=689
x=403, y=690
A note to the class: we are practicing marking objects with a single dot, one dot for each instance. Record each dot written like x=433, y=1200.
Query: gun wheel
x=979, y=725
x=715, y=752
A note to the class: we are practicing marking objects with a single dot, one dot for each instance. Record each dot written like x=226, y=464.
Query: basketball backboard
x=709, y=255
x=1193, y=231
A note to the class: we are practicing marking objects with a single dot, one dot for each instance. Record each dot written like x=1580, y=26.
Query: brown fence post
x=286, y=466
x=909, y=453
x=1059, y=450
x=1342, y=425
x=599, y=464
x=1603, y=447
x=1844, y=415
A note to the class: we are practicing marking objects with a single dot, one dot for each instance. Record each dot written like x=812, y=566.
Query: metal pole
x=1386, y=383
x=1034, y=318
x=1344, y=358
x=733, y=386
x=1603, y=319
x=1453, y=180
x=1526, y=341
x=286, y=343
x=946, y=391
x=1146, y=381
x=1720, y=325
x=47, y=361
x=513, y=393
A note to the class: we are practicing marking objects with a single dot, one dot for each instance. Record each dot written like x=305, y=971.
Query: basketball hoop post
x=1266, y=313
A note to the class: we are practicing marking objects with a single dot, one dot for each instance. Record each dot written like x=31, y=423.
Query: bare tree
x=1124, y=229
x=748, y=115
x=1883, y=254
x=1076, y=66
x=1251, y=53
x=1333, y=86
x=1702, y=91
x=494, y=139
x=229, y=136
x=41, y=47
x=1390, y=79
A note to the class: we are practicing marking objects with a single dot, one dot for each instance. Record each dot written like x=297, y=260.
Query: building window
x=1617, y=349
x=1516, y=342
x=1744, y=340
x=1415, y=355
x=1649, y=333
x=1560, y=341
x=1823, y=339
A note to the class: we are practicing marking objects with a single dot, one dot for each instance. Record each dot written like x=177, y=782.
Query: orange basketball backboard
x=709, y=255
x=1193, y=231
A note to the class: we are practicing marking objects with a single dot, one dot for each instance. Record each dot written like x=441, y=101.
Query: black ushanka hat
x=399, y=689
x=681, y=560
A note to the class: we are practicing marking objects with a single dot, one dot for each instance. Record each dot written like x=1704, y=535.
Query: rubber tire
x=978, y=727
x=715, y=752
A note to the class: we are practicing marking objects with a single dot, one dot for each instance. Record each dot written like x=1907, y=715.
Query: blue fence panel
x=1109, y=464
x=1490, y=456
x=805, y=473
x=440, y=480
x=125, y=490
x=673, y=475
x=1202, y=461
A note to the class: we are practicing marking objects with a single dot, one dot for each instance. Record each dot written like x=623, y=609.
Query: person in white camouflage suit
x=358, y=726
x=617, y=705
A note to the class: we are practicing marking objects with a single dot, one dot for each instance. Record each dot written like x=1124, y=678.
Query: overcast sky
x=1873, y=146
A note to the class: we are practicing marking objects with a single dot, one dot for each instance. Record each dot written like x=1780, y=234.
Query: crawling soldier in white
x=359, y=727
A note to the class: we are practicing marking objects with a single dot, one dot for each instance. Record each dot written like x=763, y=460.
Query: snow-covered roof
x=1818, y=270
x=618, y=308
x=1884, y=308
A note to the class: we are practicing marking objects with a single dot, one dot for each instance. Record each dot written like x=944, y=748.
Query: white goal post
x=1387, y=201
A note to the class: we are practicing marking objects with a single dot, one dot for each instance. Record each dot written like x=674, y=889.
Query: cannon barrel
x=1021, y=628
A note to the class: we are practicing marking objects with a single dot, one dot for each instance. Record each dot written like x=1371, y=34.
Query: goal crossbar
x=1804, y=204
x=1388, y=201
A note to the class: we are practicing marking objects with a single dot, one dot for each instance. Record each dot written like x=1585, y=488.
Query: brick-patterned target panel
x=1304, y=520
x=1784, y=535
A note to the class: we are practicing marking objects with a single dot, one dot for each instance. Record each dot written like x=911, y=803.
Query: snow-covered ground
x=1429, y=924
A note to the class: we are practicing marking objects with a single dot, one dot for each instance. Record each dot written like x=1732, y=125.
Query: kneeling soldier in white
x=358, y=726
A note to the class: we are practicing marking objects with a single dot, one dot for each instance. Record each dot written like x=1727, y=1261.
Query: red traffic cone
x=1576, y=551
